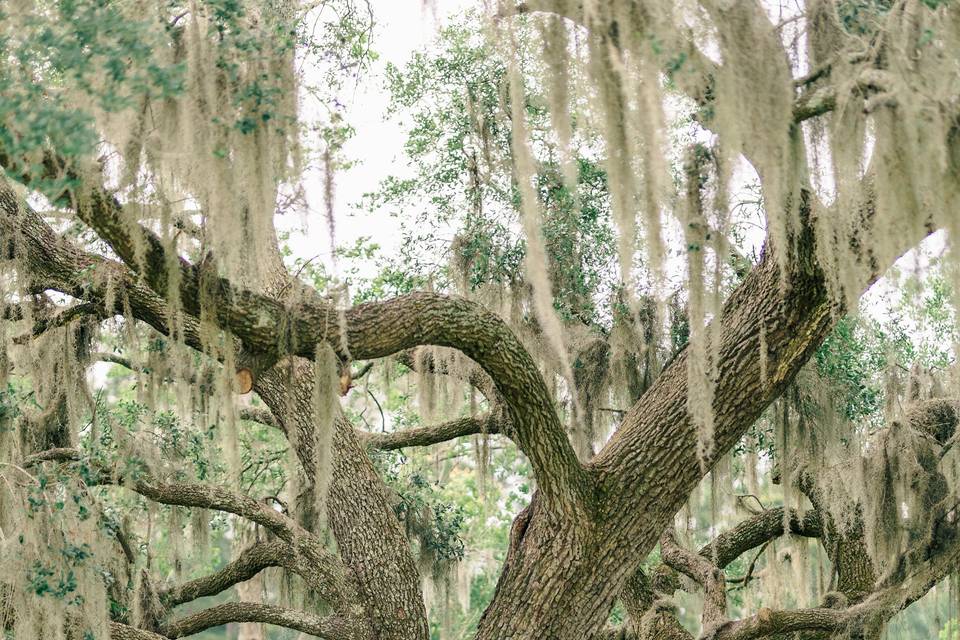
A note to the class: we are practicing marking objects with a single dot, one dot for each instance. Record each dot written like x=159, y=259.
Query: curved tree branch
x=758, y=529
x=248, y=564
x=703, y=572
x=372, y=330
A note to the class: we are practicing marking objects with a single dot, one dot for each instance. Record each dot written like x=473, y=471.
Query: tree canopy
x=667, y=349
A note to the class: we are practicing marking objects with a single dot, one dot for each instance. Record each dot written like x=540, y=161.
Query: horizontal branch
x=434, y=434
x=768, y=622
x=62, y=319
x=332, y=627
x=756, y=530
x=183, y=494
x=113, y=358
x=120, y=631
x=260, y=415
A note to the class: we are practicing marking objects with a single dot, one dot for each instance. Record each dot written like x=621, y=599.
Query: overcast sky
x=402, y=27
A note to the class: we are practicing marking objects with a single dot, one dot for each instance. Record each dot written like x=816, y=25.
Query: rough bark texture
x=368, y=534
x=580, y=543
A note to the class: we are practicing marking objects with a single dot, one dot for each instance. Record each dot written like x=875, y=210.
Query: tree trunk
x=367, y=532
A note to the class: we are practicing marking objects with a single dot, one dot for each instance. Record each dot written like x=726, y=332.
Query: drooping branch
x=703, y=572
x=254, y=559
x=183, y=494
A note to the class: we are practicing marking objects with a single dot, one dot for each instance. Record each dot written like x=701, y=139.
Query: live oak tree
x=146, y=150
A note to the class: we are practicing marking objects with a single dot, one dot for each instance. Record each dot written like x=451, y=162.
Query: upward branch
x=658, y=438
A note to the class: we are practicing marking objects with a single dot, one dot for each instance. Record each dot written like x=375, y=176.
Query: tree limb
x=426, y=436
x=62, y=319
x=332, y=627
x=703, y=572
x=757, y=530
x=249, y=563
x=120, y=631
x=372, y=330
x=260, y=415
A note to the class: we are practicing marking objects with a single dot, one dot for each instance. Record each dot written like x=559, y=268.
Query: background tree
x=579, y=296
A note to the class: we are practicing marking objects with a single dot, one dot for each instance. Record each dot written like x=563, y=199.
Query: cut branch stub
x=244, y=381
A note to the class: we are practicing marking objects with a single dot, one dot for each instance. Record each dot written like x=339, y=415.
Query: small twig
x=362, y=371
x=178, y=18
x=741, y=498
x=383, y=419
x=745, y=580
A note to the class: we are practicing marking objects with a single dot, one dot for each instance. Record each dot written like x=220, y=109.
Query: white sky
x=402, y=27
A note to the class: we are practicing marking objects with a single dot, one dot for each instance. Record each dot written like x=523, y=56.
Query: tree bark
x=367, y=532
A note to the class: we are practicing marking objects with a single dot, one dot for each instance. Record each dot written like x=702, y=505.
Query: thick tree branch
x=434, y=434
x=120, y=631
x=333, y=627
x=758, y=529
x=793, y=312
x=248, y=564
x=372, y=330
x=52, y=262
x=768, y=623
